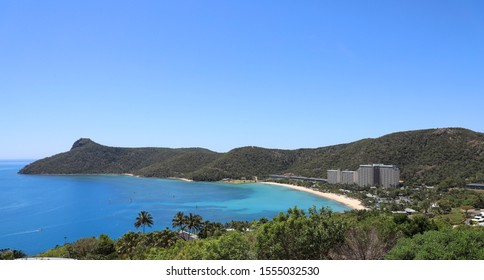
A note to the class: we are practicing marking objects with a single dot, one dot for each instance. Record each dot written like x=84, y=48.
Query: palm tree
x=126, y=245
x=194, y=222
x=180, y=221
x=144, y=219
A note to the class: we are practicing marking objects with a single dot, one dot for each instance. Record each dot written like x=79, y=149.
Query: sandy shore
x=350, y=202
x=181, y=179
x=129, y=174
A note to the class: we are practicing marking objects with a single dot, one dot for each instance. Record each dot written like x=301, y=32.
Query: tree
x=449, y=244
x=417, y=224
x=84, y=248
x=466, y=209
x=445, y=206
x=160, y=239
x=210, y=229
x=127, y=245
x=105, y=248
x=295, y=236
x=194, y=222
x=8, y=254
x=362, y=243
x=144, y=219
x=233, y=245
x=179, y=221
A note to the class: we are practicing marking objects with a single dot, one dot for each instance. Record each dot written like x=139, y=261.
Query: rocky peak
x=81, y=142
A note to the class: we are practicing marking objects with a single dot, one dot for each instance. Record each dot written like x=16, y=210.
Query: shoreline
x=347, y=201
x=180, y=179
x=353, y=203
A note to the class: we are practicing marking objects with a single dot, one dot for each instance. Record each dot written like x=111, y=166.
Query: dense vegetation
x=460, y=244
x=296, y=234
x=9, y=254
x=452, y=156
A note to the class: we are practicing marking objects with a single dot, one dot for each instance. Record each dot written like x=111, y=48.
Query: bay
x=38, y=212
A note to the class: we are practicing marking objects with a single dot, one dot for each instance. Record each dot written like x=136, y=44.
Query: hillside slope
x=423, y=156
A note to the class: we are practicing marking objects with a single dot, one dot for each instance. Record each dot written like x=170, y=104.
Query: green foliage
x=317, y=234
x=238, y=225
x=247, y=162
x=105, y=248
x=127, y=245
x=450, y=244
x=296, y=236
x=91, y=248
x=369, y=235
x=229, y=246
x=179, y=221
x=159, y=239
x=416, y=224
x=448, y=157
x=372, y=234
x=455, y=217
x=193, y=222
x=460, y=197
x=9, y=254
x=57, y=252
x=210, y=229
x=88, y=157
x=144, y=219
x=134, y=245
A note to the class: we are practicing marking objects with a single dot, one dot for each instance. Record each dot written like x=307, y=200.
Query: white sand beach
x=350, y=202
x=131, y=175
x=181, y=179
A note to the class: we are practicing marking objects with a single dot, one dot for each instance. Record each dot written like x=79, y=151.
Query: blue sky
x=225, y=74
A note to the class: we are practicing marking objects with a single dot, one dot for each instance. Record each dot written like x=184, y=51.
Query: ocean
x=38, y=212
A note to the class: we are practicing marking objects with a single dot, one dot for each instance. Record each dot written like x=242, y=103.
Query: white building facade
x=367, y=175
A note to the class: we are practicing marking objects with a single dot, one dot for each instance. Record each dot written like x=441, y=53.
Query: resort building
x=367, y=175
x=349, y=177
x=342, y=177
x=334, y=176
x=388, y=175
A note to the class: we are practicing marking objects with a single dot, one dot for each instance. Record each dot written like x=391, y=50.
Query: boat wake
x=22, y=232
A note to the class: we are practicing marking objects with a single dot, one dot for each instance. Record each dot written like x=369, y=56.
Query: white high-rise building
x=334, y=176
x=389, y=175
x=367, y=175
x=349, y=177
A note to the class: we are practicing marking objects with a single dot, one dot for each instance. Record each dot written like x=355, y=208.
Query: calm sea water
x=40, y=212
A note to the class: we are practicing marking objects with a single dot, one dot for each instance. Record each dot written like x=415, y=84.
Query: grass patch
x=455, y=217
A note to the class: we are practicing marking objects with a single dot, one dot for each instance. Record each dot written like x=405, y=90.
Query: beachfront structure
x=334, y=176
x=389, y=175
x=338, y=176
x=367, y=175
x=349, y=177
x=378, y=175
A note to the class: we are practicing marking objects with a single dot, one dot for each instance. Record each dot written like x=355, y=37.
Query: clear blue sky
x=225, y=74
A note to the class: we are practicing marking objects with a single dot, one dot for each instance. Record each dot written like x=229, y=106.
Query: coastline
x=180, y=179
x=350, y=202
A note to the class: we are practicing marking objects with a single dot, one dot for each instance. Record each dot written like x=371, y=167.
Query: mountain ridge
x=427, y=156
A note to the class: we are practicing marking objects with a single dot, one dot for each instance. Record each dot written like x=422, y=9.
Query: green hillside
x=423, y=156
x=88, y=157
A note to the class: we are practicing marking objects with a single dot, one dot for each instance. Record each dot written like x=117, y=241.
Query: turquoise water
x=40, y=212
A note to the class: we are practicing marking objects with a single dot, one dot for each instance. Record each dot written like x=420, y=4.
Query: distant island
x=430, y=156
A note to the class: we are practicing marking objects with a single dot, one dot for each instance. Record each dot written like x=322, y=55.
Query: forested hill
x=453, y=155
